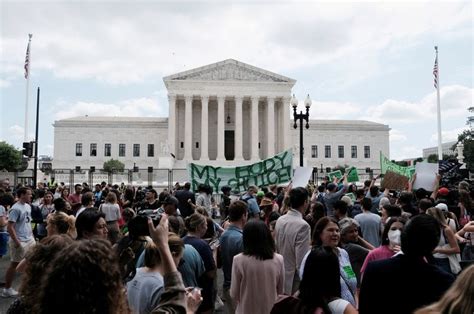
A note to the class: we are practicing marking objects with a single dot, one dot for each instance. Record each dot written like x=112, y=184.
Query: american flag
x=435, y=72
x=27, y=58
x=445, y=166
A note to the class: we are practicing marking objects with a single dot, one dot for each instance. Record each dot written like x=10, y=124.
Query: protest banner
x=275, y=170
x=394, y=181
x=387, y=165
x=352, y=175
x=301, y=177
x=337, y=174
x=425, y=175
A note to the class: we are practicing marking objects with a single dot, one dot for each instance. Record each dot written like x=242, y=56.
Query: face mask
x=394, y=236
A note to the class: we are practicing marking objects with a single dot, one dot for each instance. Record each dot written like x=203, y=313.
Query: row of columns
x=239, y=100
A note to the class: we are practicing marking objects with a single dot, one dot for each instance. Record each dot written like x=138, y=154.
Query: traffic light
x=28, y=149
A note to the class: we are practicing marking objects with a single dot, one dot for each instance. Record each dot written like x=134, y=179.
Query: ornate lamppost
x=301, y=116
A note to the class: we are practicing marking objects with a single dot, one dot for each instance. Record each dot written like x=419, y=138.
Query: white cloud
x=397, y=136
x=4, y=83
x=448, y=135
x=142, y=107
x=166, y=37
x=405, y=152
x=454, y=102
x=332, y=109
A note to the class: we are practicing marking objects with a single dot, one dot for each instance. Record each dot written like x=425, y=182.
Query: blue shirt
x=252, y=204
x=231, y=245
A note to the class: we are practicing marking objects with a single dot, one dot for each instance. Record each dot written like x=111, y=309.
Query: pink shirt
x=256, y=284
x=380, y=253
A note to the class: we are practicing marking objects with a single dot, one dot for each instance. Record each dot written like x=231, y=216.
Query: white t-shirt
x=20, y=214
x=338, y=306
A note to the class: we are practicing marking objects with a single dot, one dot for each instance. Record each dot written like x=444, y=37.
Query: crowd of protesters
x=332, y=248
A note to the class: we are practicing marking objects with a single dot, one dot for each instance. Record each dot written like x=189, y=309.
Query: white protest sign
x=425, y=175
x=301, y=176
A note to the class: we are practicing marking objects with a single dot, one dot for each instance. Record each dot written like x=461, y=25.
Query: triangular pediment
x=229, y=70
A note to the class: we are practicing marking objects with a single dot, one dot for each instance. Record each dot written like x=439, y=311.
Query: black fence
x=162, y=178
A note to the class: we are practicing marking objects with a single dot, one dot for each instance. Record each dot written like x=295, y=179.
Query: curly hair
x=85, y=278
x=63, y=223
x=36, y=261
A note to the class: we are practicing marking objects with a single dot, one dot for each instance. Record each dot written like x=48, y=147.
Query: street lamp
x=301, y=116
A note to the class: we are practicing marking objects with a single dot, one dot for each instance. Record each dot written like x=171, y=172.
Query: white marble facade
x=223, y=114
x=227, y=112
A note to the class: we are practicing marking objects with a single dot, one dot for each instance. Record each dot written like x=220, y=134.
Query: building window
x=78, y=149
x=93, y=149
x=366, y=151
x=136, y=150
x=314, y=151
x=327, y=151
x=197, y=144
x=121, y=150
x=181, y=144
x=353, y=151
x=151, y=150
x=107, y=150
x=340, y=151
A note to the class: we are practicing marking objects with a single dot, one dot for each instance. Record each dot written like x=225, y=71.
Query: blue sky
x=364, y=60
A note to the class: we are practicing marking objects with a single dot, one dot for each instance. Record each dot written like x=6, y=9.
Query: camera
x=138, y=226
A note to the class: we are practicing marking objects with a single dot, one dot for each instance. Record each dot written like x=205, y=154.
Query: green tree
x=467, y=139
x=433, y=158
x=10, y=157
x=113, y=165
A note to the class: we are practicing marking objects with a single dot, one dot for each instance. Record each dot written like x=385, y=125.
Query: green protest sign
x=337, y=174
x=387, y=165
x=275, y=170
x=352, y=175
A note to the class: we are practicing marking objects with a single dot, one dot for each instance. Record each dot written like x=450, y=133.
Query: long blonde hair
x=458, y=299
x=438, y=215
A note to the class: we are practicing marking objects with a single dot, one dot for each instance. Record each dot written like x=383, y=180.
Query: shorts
x=17, y=254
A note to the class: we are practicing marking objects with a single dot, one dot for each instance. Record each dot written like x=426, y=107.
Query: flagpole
x=440, y=148
x=27, y=76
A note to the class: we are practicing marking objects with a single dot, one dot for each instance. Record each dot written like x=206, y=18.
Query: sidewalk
x=5, y=302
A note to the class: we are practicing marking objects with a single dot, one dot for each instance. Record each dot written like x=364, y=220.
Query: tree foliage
x=467, y=139
x=113, y=165
x=10, y=157
x=433, y=158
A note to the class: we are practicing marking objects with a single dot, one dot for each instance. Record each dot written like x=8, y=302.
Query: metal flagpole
x=436, y=83
x=27, y=76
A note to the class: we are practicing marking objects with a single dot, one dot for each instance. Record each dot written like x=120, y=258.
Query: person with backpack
x=249, y=198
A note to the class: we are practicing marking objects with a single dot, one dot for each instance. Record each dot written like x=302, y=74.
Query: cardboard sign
x=394, y=181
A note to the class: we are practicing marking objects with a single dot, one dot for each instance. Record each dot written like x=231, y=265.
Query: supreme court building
x=224, y=114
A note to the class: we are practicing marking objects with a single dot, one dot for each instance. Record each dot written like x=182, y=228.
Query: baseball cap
x=443, y=207
x=443, y=191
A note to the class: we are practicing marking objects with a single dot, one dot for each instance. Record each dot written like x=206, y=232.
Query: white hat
x=443, y=207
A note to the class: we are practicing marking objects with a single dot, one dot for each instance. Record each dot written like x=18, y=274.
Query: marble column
x=172, y=124
x=188, y=128
x=220, y=127
x=204, y=128
x=270, y=126
x=254, y=136
x=286, y=122
x=239, y=103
